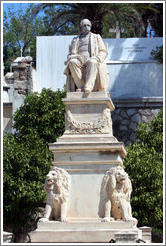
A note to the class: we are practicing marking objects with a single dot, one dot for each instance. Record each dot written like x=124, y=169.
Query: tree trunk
x=21, y=238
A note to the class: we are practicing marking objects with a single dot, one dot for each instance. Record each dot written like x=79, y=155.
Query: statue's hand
x=78, y=57
x=73, y=57
x=95, y=58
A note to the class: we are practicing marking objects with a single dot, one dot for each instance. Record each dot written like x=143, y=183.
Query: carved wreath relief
x=57, y=191
x=117, y=187
x=102, y=125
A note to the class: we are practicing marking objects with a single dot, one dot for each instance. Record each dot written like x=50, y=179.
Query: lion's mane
x=117, y=188
x=59, y=190
x=110, y=182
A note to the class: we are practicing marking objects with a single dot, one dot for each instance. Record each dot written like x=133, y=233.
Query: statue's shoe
x=87, y=90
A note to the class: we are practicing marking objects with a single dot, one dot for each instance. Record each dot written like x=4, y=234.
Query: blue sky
x=15, y=6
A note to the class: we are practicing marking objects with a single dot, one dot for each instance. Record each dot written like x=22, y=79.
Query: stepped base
x=85, y=138
x=81, y=231
x=86, y=151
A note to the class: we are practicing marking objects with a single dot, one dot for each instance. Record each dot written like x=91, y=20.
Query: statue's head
x=85, y=26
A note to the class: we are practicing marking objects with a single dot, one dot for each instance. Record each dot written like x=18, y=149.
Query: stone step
x=83, y=225
x=79, y=235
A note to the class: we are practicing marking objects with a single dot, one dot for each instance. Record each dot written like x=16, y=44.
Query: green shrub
x=26, y=162
x=27, y=158
x=43, y=112
x=144, y=164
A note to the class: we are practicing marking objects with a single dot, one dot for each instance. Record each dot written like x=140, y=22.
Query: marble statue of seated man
x=85, y=63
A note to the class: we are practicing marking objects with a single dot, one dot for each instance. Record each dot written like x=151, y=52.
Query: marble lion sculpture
x=117, y=188
x=57, y=191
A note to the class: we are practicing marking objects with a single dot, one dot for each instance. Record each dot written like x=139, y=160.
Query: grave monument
x=88, y=191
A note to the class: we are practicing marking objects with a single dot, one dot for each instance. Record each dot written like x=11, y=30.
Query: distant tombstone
x=7, y=237
x=117, y=30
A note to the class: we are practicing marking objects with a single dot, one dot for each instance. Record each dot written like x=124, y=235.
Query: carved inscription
x=135, y=48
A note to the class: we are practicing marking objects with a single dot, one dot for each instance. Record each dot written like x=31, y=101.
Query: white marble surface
x=131, y=49
x=86, y=167
x=86, y=162
x=88, y=159
x=80, y=231
x=88, y=113
x=135, y=80
x=51, y=54
x=132, y=73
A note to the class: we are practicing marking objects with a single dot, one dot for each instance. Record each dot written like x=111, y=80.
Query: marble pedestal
x=81, y=231
x=86, y=151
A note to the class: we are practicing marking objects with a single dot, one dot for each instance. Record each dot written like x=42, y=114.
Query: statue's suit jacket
x=97, y=49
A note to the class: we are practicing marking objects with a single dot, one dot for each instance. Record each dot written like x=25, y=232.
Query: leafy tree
x=43, y=112
x=144, y=164
x=157, y=54
x=20, y=29
x=27, y=158
x=26, y=162
x=63, y=27
x=72, y=13
x=154, y=17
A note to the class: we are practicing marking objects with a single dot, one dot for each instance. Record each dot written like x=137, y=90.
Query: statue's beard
x=86, y=32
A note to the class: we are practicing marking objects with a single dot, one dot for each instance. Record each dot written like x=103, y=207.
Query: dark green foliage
x=144, y=164
x=26, y=162
x=27, y=158
x=158, y=54
x=43, y=112
x=104, y=16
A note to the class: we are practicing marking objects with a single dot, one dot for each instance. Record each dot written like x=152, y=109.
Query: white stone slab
x=101, y=147
x=80, y=232
x=51, y=54
x=146, y=233
x=135, y=80
x=84, y=223
x=131, y=49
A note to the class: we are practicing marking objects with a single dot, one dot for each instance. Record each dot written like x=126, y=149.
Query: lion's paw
x=112, y=219
x=63, y=219
x=127, y=219
x=135, y=222
x=43, y=220
x=106, y=219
